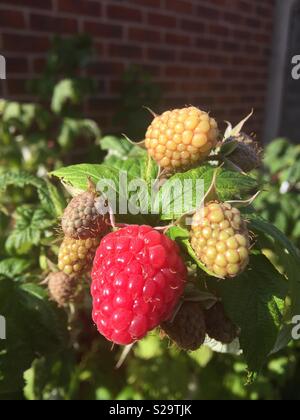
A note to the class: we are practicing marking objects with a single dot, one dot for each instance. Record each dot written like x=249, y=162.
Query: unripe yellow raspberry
x=181, y=138
x=220, y=239
x=76, y=256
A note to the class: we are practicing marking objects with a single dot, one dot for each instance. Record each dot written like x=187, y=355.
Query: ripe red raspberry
x=138, y=278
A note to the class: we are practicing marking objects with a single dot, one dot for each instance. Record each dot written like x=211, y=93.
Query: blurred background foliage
x=38, y=137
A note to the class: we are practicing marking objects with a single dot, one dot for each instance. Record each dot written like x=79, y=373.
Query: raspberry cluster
x=83, y=227
x=138, y=277
x=138, y=274
x=180, y=138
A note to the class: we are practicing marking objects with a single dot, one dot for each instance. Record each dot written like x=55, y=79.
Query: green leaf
x=78, y=175
x=58, y=201
x=255, y=302
x=177, y=233
x=118, y=179
x=29, y=229
x=230, y=185
x=65, y=91
x=33, y=328
x=21, y=179
x=12, y=268
x=288, y=254
x=186, y=243
x=116, y=146
x=149, y=170
x=12, y=111
x=72, y=129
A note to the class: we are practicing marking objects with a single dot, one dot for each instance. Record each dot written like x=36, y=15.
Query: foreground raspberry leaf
x=34, y=328
x=230, y=185
x=78, y=175
x=255, y=302
x=288, y=254
x=119, y=176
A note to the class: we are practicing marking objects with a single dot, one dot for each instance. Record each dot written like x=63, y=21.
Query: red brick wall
x=211, y=53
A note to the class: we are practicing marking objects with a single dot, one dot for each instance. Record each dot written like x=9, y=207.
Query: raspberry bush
x=222, y=248
x=200, y=277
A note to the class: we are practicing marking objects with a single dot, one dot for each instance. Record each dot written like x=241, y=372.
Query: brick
x=264, y=11
x=101, y=29
x=25, y=43
x=148, y=3
x=192, y=57
x=164, y=21
x=105, y=68
x=233, y=18
x=262, y=38
x=144, y=35
x=207, y=43
x=239, y=34
x=167, y=87
x=152, y=69
x=125, y=51
x=219, y=30
x=39, y=65
x=161, y=54
x=245, y=6
x=177, y=71
x=12, y=19
x=177, y=39
x=221, y=60
x=124, y=13
x=115, y=86
x=43, y=4
x=253, y=23
x=17, y=65
x=16, y=86
x=107, y=104
x=179, y=6
x=230, y=46
x=53, y=24
x=82, y=7
x=207, y=72
x=210, y=13
x=192, y=26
